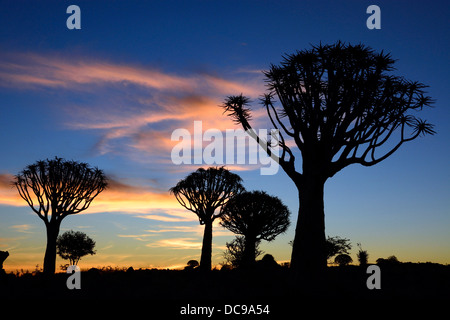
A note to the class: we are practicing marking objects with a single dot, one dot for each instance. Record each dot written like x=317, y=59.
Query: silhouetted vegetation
x=73, y=245
x=343, y=259
x=363, y=256
x=267, y=283
x=389, y=261
x=337, y=245
x=3, y=256
x=234, y=254
x=55, y=189
x=191, y=265
x=257, y=216
x=340, y=105
x=205, y=192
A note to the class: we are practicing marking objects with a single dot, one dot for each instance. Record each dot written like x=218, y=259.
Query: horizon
x=112, y=93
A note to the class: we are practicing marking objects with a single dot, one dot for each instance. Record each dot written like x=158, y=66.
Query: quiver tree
x=256, y=216
x=204, y=192
x=55, y=189
x=335, y=105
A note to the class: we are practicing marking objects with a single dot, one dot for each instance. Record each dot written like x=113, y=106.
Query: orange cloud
x=142, y=201
x=177, y=243
x=8, y=192
x=54, y=71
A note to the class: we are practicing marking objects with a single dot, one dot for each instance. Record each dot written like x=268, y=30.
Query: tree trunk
x=205, y=259
x=248, y=259
x=50, y=251
x=308, y=259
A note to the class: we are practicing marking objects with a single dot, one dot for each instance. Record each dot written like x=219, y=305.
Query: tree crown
x=206, y=190
x=339, y=104
x=256, y=214
x=56, y=188
x=73, y=245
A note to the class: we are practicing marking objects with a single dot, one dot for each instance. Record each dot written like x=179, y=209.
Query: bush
x=343, y=260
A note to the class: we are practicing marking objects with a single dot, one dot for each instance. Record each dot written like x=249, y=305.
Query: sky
x=112, y=93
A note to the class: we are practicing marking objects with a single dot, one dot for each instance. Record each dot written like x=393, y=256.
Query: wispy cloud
x=181, y=243
x=8, y=192
x=24, y=228
x=31, y=69
x=177, y=243
x=133, y=108
x=140, y=200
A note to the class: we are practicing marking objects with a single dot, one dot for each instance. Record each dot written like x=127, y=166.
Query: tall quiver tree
x=204, y=192
x=337, y=105
x=55, y=189
x=257, y=216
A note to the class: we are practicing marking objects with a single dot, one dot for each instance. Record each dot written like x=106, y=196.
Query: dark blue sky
x=111, y=94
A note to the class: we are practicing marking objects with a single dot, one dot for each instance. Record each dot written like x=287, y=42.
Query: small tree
x=55, y=189
x=343, y=259
x=191, y=264
x=73, y=245
x=204, y=192
x=337, y=245
x=257, y=216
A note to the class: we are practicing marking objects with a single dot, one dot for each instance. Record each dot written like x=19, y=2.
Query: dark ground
x=170, y=290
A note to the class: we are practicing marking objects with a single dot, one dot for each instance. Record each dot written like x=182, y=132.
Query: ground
x=173, y=290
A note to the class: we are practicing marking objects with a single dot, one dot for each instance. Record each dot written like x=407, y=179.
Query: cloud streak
x=134, y=108
x=33, y=69
x=141, y=201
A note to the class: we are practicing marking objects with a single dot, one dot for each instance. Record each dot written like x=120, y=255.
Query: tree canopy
x=57, y=188
x=340, y=102
x=206, y=190
x=73, y=245
x=256, y=214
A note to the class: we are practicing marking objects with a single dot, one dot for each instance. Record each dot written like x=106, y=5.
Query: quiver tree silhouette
x=73, y=245
x=55, y=189
x=338, y=104
x=204, y=192
x=257, y=216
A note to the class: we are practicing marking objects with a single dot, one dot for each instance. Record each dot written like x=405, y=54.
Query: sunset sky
x=112, y=93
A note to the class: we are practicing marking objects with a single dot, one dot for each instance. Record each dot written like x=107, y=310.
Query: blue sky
x=111, y=94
